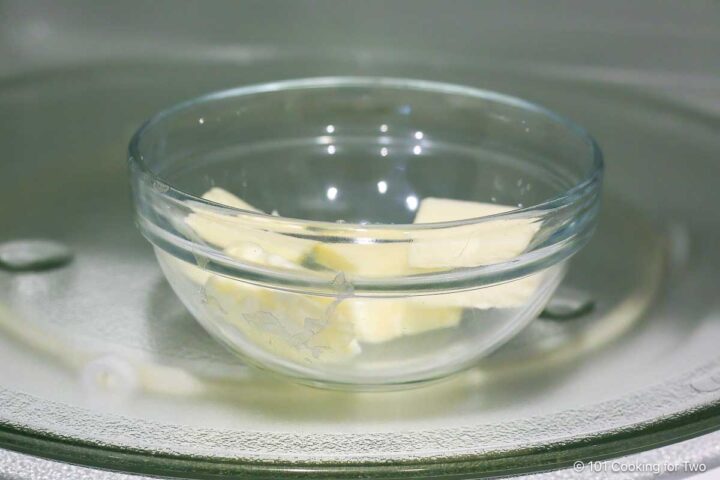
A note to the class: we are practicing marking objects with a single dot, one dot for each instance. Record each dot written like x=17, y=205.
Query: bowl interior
x=366, y=151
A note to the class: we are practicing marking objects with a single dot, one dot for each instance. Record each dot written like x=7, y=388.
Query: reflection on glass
x=332, y=193
x=412, y=202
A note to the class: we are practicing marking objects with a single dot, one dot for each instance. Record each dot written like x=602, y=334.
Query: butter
x=370, y=260
x=223, y=197
x=229, y=233
x=483, y=243
x=294, y=326
x=309, y=328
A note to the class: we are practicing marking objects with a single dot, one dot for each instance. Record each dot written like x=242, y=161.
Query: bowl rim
x=588, y=184
x=581, y=200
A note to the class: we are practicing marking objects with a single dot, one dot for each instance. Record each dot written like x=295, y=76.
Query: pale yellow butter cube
x=422, y=316
x=188, y=270
x=378, y=320
x=293, y=326
x=223, y=197
x=374, y=320
x=487, y=242
x=227, y=231
x=371, y=260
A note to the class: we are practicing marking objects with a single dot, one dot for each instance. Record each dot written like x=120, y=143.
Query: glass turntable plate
x=102, y=366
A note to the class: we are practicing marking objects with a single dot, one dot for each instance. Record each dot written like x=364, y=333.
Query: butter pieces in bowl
x=369, y=233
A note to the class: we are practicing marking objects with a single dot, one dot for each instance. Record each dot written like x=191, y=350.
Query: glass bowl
x=363, y=232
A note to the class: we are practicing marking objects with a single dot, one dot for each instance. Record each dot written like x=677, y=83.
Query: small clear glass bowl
x=363, y=232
